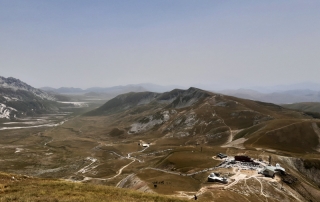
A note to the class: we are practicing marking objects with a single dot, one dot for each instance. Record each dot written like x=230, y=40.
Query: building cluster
x=245, y=163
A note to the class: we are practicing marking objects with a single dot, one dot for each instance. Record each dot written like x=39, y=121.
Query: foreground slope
x=24, y=188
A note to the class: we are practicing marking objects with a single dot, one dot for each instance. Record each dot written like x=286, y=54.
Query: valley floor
x=180, y=171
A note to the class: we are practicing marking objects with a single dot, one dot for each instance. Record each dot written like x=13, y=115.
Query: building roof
x=272, y=168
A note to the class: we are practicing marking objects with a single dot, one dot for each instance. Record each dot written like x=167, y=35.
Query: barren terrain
x=183, y=138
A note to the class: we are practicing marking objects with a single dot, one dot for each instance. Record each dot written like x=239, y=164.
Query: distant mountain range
x=112, y=90
x=280, y=97
x=280, y=94
x=297, y=86
x=17, y=97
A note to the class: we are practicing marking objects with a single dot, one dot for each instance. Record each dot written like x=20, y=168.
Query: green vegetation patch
x=248, y=131
x=121, y=103
x=294, y=137
x=311, y=163
x=219, y=129
x=188, y=161
x=304, y=106
x=115, y=132
x=315, y=115
x=169, y=183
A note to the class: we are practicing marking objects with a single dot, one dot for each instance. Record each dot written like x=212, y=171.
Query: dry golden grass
x=168, y=183
x=285, y=135
x=21, y=188
x=189, y=160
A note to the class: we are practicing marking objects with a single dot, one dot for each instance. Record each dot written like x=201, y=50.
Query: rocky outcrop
x=309, y=168
x=7, y=112
x=149, y=122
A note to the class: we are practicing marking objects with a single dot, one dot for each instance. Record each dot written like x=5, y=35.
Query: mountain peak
x=173, y=99
x=19, y=99
x=15, y=85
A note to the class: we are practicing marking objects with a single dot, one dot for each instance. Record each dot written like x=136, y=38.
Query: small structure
x=280, y=169
x=222, y=156
x=145, y=145
x=214, y=178
x=232, y=162
x=270, y=171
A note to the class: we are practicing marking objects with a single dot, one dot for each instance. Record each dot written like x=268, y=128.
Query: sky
x=225, y=44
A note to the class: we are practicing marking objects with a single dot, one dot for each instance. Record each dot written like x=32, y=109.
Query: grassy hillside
x=174, y=99
x=122, y=102
x=304, y=106
x=286, y=135
x=22, y=188
x=195, y=116
x=310, y=108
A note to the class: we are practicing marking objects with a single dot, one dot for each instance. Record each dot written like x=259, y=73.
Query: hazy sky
x=105, y=43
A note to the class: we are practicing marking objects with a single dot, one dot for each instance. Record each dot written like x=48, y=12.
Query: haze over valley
x=159, y=101
x=141, y=139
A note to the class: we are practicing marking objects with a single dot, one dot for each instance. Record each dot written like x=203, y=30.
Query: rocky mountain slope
x=188, y=120
x=15, y=85
x=18, y=98
x=174, y=99
x=212, y=119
